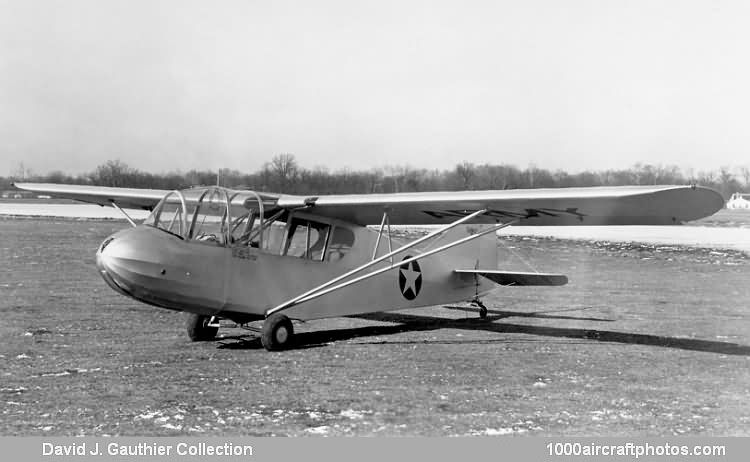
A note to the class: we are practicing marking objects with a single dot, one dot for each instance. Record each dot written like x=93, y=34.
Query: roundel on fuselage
x=410, y=279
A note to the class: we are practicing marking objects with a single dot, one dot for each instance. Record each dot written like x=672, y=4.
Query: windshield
x=199, y=214
x=211, y=220
x=171, y=214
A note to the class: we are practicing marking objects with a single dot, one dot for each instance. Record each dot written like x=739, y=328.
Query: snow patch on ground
x=497, y=431
x=693, y=236
x=322, y=430
x=352, y=414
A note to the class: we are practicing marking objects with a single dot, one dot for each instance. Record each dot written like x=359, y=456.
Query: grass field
x=645, y=340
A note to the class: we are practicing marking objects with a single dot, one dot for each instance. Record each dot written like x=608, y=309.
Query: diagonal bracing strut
x=326, y=287
x=295, y=300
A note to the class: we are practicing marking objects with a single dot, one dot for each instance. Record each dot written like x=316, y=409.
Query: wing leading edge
x=623, y=205
x=134, y=198
x=131, y=198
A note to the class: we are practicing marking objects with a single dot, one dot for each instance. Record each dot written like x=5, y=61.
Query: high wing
x=132, y=198
x=622, y=205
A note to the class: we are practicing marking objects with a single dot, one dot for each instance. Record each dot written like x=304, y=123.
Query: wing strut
x=296, y=300
x=380, y=234
x=386, y=221
x=114, y=204
x=325, y=288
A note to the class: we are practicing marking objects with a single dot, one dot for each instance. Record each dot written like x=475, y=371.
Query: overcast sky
x=561, y=84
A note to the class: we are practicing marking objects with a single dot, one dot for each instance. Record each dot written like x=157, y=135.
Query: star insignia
x=410, y=279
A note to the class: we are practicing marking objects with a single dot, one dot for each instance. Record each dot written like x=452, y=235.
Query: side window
x=273, y=238
x=318, y=245
x=307, y=239
x=296, y=245
x=340, y=243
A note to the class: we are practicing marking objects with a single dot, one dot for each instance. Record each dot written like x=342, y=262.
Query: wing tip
x=22, y=185
x=710, y=202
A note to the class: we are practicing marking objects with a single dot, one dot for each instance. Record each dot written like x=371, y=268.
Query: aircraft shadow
x=537, y=314
x=419, y=323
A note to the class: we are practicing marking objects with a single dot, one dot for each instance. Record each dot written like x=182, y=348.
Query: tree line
x=284, y=174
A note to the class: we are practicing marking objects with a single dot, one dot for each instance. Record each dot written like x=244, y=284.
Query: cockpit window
x=340, y=244
x=241, y=227
x=169, y=215
x=213, y=216
x=171, y=218
x=245, y=231
x=307, y=239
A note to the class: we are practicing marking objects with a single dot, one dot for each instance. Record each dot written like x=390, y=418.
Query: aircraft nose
x=108, y=255
x=104, y=256
x=130, y=261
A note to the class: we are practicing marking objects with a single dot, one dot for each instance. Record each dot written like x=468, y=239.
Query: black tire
x=277, y=332
x=198, y=329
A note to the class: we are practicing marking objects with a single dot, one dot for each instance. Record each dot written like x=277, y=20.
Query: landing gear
x=201, y=328
x=482, y=308
x=277, y=332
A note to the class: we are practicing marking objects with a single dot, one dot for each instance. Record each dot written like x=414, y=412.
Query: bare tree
x=725, y=175
x=112, y=173
x=531, y=171
x=745, y=172
x=728, y=184
x=465, y=172
x=23, y=172
x=284, y=167
x=706, y=177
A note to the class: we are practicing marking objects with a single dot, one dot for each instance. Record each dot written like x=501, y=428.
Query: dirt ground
x=644, y=340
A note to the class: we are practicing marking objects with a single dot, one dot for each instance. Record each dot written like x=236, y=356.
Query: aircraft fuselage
x=241, y=282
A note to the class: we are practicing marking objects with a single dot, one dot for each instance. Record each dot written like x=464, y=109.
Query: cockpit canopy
x=204, y=214
x=223, y=217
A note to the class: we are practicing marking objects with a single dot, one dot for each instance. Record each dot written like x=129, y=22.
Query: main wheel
x=199, y=328
x=277, y=332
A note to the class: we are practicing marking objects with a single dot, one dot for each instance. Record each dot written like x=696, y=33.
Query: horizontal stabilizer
x=515, y=278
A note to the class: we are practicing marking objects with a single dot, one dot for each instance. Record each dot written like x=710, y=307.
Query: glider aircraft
x=249, y=256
